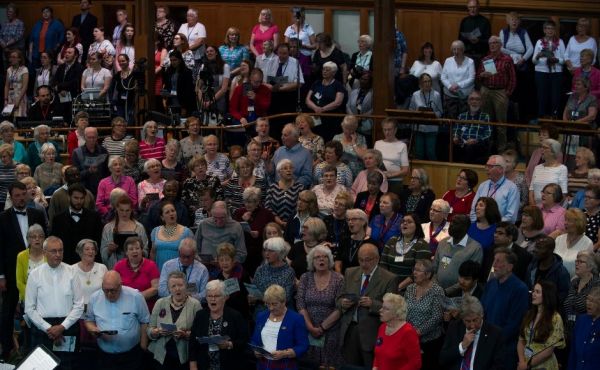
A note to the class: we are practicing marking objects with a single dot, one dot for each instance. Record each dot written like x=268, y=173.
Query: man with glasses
x=196, y=274
x=118, y=317
x=54, y=304
x=360, y=301
x=498, y=80
x=217, y=229
x=504, y=191
x=472, y=140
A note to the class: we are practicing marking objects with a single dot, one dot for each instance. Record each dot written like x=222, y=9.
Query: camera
x=139, y=68
x=298, y=11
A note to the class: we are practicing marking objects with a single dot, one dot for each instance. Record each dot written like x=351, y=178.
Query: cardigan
x=161, y=313
x=292, y=333
x=23, y=272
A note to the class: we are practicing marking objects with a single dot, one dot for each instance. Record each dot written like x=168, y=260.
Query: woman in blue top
x=280, y=332
x=165, y=238
x=484, y=227
x=232, y=52
x=586, y=341
x=386, y=224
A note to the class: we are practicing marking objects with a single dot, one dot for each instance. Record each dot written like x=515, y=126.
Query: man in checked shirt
x=496, y=75
x=472, y=140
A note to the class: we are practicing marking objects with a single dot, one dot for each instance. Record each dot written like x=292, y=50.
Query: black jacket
x=423, y=205
x=86, y=30
x=185, y=87
x=71, y=232
x=70, y=82
x=361, y=203
x=523, y=260
x=489, y=353
x=233, y=326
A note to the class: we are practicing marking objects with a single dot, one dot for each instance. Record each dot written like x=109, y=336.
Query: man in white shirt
x=54, y=304
x=284, y=76
x=195, y=33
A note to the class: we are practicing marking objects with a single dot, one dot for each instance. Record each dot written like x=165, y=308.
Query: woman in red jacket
x=75, y=138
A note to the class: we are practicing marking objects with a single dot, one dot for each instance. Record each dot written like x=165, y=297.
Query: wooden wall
x=434, y=20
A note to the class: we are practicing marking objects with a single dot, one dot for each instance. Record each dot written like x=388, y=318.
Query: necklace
x=176, y=305
x=170, y=230
x=278, y=317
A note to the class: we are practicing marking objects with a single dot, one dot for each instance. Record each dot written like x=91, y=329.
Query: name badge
x=528, y=352
x=399, y=259
x=124, y=96
x=173, y=92
x=446, y=261
x=251, y=108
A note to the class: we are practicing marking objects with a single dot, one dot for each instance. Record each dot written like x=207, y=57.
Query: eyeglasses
x=462, y=178
x=490, y=166
x=365, y=260
x=54, y=251
x=216, y=296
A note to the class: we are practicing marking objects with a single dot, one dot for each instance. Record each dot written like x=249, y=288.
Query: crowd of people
x=307, y=250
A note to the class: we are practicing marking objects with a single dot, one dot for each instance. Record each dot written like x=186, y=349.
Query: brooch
x=225, y=324
x=379, y=341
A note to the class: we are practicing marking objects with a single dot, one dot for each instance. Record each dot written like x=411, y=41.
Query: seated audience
x=418, y=196
x=460, y=199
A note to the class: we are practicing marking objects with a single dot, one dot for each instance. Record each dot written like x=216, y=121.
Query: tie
x=280, y=70
x=184, y=269
x=22, y=213
x=364, y=286
x=466, y=362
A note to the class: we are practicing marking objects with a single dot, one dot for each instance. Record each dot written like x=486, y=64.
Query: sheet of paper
x=231, y=286
x=490, y=66
x=38, y=359
x=169, y=328
x=263, y=352
x=213, y=339
x=253, y=290
x=316, y=342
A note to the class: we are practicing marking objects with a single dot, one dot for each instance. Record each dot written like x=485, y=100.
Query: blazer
x=13, y=242
x=292, y=333
x=86, y=29
x=361, y=203
x=71, y=81
x=381, y=282
x=236, y=329
x=185, y=87
x=161, y=313
x=489, y=353
x=71, y=232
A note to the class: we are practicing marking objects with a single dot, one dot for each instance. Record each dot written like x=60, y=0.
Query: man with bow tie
x=76, y=223
x=14, y=223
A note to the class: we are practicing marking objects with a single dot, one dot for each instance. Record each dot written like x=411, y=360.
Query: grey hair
x=293, y=129
x=331, y=65
x=176, y=274
x=35, y=228
x=319, y=248
x=458, y=44
x=494, y=38
x=428, y=266
x=554, y=145
x=150, y=162
x=358, y=213
x=399, y=307
x=350, y=120
x=46, y=147
x=81, y=244
x=377, y=154
x=367, y=39
x=145, y=127
x=590, y=260
x=38, y=128
x=173, y=143
x=500, y=161
x=442, y=204
x=251, y=191
x=470, y=306
x=190, y=243
x=282, y=163
x=52, y=239
x=423, y=178
x=6, y=125
x=112, y=160
x=216, y=285
x=115, y=194
x=207, y=137
x=278, y=245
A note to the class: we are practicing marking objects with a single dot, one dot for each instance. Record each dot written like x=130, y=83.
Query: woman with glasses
x=553, y=212
x=275, y=270
x=318, y=289
x=347, y=254
x=418, y=196
x=424, y=301
x=573, y=240
x=550, y=171
x=170, y=347
x=437, y=228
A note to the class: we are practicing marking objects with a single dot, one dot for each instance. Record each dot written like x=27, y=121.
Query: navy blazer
x=292, y=333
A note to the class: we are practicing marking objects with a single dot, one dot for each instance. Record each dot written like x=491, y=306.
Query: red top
x=505, y=77
x=140, y=280
x=260, y=36
x=72, y=142
x=458, y=206
x=238, y=106
x=156, y=151
x=399, y=351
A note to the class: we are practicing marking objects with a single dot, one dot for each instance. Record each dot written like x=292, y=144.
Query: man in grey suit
x=359, y=302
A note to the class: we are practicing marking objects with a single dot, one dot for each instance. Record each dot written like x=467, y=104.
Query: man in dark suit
x=359, y=302
x=46, y=107
x=14, y=223
x=67, y=81
x=505, y=236
x=85, y=22
x=76, y=223
x=472, y=343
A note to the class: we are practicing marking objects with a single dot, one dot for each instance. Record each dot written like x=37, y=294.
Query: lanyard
x=94, y=77
x=427, y=99
x=190, y=31
x=387, y=226
x=187, y=276
x=433, y=234
x=403, y=251
x=496, y=187
x=45, y=111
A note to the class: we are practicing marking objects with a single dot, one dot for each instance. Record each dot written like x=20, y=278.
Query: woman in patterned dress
x=17, y=80
x=317, y=292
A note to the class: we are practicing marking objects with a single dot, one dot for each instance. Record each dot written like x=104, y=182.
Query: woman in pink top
x=263, y=31
x=552, y=210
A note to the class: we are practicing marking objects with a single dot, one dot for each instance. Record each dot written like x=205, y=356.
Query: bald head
x=368, y=257
x=111, y=285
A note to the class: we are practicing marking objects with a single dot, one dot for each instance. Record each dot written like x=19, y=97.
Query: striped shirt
x=283, y=202
x=220, y=167
x=156, y=150
x=8, y=175
x=344, y=174
x=399, y=257
x=234, y=193
x=115, y=147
